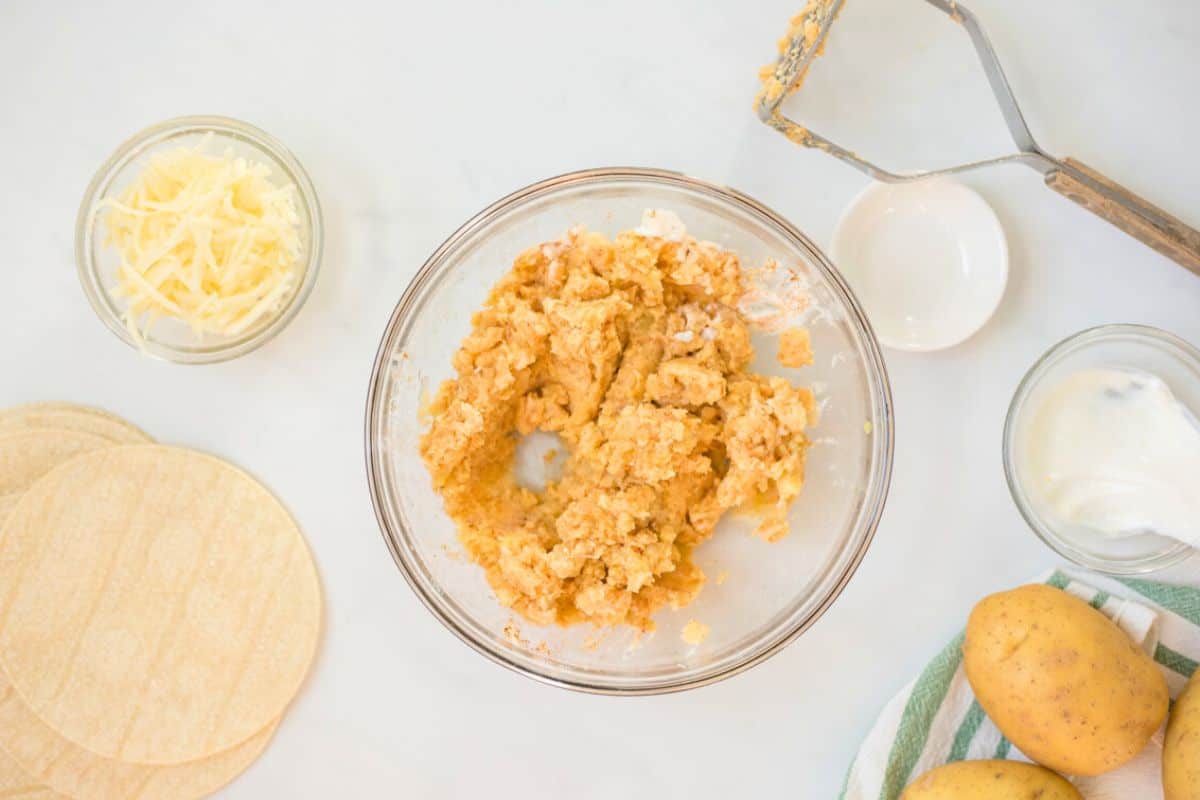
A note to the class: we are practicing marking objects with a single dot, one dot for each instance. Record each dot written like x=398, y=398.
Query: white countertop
x=411, y=117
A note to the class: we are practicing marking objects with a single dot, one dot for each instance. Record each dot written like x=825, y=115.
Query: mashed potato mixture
x=634, y=353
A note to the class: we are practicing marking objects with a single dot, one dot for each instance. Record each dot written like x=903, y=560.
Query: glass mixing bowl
x=770, y=593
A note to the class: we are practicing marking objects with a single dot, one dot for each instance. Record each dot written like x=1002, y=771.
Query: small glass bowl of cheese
x=199, y=239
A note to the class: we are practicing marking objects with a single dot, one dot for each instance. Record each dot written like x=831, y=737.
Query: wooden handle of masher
x=1145, y=222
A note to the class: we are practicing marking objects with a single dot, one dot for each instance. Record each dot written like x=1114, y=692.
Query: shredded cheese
x=208, y=240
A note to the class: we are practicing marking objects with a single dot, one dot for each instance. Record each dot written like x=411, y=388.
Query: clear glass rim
x=130, y=149
x=1045, y=532
x=772, y=641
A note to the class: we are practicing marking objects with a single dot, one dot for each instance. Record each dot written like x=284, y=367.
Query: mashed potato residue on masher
x=634, y=353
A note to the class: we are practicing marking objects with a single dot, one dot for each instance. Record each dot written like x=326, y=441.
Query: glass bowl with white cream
x=1102, y=449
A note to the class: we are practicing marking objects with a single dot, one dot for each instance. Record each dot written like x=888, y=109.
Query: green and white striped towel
x=936, y=719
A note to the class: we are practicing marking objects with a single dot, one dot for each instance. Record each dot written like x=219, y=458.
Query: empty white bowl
x=927, y=259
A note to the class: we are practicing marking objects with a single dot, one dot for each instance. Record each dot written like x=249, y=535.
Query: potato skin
x=1061, y=680
x=1181, y=751
x=990, y=780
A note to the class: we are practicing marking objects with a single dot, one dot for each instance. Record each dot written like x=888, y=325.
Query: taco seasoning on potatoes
x=633, y=352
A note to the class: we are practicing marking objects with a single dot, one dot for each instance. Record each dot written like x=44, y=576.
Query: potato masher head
x=806, y=40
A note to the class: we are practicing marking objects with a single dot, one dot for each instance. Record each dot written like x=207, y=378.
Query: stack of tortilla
x=159, y=610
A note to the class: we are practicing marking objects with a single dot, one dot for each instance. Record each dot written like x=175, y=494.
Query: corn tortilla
x=26, y=456
x=7, y=501
x=71, y=417
x=78, y=773
x=159, y=606
x=16, y=785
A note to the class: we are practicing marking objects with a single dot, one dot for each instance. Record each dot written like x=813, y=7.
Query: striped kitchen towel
x=936, y=719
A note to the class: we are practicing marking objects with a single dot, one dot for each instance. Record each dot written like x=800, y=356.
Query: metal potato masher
x=1103, y=197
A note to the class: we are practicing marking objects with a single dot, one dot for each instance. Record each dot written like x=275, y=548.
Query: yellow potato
x=1181, y=751
x=1061, y=680
x=990, y=780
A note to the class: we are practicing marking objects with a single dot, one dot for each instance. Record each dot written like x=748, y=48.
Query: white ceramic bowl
x=927, y=259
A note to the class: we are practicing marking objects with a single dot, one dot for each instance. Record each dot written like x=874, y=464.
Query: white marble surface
x=412, y=116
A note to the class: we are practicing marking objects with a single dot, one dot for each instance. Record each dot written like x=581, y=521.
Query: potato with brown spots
x=1061, y=680
x=1181, y=751
x=990, y=780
